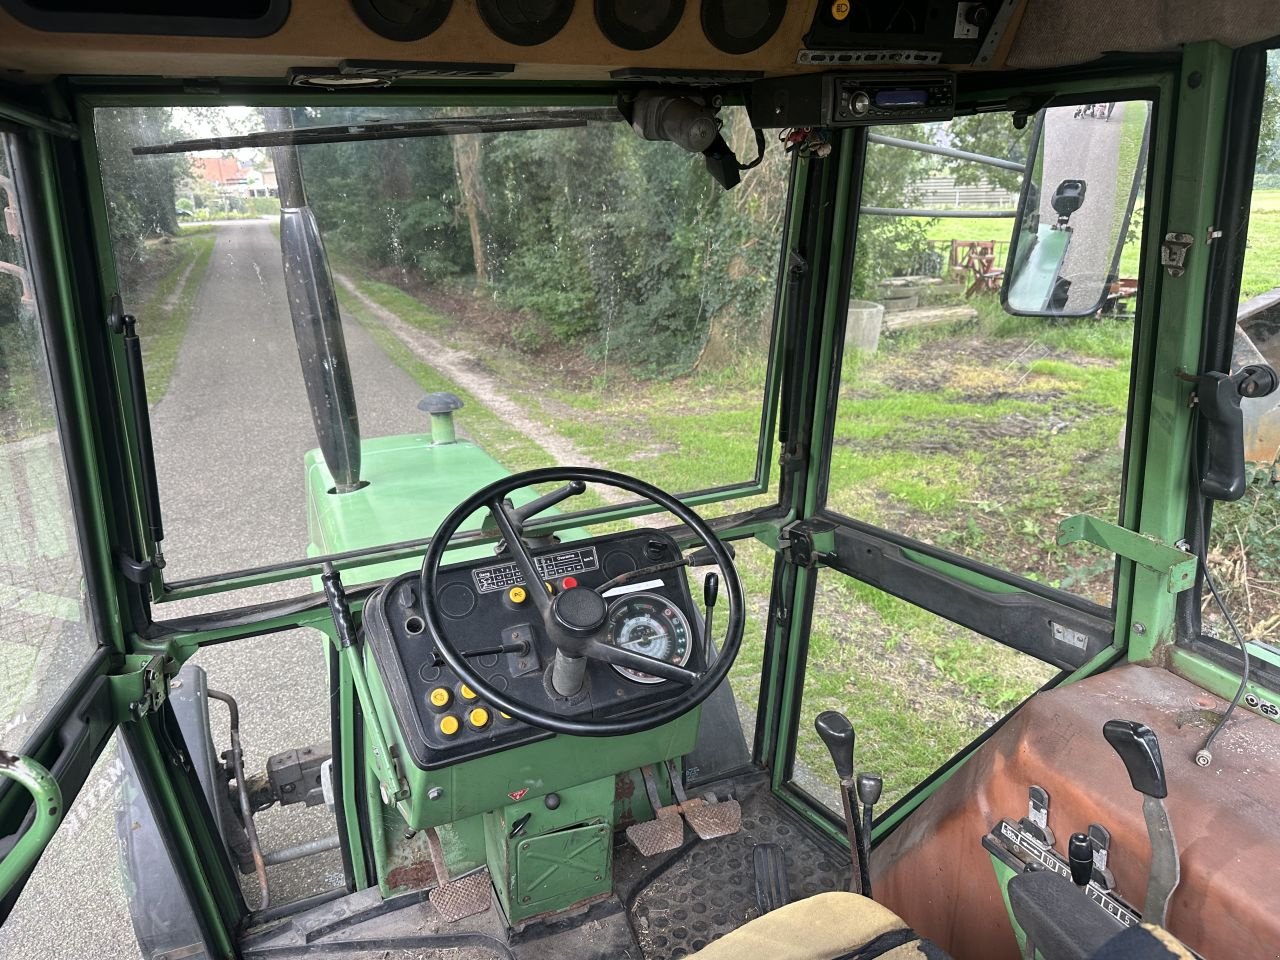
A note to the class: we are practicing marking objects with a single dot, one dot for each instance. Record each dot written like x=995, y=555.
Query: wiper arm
x=395, y=130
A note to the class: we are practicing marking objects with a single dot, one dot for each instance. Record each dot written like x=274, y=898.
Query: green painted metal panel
x=412, y=484
x=560, y=856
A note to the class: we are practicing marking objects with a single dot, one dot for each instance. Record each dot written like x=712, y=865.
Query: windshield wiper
x=395, y=130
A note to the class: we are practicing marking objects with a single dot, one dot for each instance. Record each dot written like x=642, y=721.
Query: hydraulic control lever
x=1139, y=750
x=837, y=733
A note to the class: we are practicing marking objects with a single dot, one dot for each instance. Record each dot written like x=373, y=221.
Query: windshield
x=590, y=297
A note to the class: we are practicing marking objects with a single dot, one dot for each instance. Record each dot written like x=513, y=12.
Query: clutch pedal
x=665, y=831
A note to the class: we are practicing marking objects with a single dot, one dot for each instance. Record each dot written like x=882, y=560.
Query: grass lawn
x=163, y=298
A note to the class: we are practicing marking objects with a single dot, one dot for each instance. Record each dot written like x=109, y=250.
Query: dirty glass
x=960, y=425
x=45, y=635
x=916, y=687
x=592, y=298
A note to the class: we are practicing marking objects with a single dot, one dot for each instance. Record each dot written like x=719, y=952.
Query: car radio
x=846, y=100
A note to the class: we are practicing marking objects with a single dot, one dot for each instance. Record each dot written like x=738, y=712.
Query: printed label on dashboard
x=552, y=566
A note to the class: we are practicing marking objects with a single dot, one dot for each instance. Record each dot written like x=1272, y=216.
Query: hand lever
x=710, y=590
x=548, y=500
x=1218, y=397
x=837, y=733
x=1080, y=858
x=870, y=786
x=1139, y=750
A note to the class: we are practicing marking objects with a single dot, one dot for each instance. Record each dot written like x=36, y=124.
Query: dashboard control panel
x=485, y=607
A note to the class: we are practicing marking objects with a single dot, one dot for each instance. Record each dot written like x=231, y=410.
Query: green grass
x=166, y=311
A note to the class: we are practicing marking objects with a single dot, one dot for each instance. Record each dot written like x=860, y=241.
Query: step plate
x=464, y=896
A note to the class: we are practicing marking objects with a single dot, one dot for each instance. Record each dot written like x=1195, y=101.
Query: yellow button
x=467, y=692
x=479, y=718
x=440, y=697
x=516, y=595
x=840, y=9
x=449, y=725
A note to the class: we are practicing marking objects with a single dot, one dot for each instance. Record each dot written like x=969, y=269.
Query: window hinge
x=140, y=572
x=807, y=543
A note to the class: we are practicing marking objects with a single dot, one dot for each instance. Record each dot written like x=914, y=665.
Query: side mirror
x=1075, y=208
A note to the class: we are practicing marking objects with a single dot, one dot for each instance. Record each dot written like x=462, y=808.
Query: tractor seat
x=828, y=926
x=846, y=926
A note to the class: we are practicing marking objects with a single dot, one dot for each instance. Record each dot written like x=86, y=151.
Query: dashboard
x=484, y=606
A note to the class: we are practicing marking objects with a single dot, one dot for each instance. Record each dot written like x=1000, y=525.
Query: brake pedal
x=709, y=817
x=665, y=831
x=773, y=888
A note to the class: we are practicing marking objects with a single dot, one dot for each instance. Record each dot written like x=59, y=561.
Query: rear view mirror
x=1075, y=208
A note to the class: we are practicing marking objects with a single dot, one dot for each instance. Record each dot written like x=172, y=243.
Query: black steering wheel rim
x=678, y=706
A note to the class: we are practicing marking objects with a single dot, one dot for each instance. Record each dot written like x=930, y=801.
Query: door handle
x=46, y=796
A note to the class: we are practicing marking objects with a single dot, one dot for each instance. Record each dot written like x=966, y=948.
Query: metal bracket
x=1173, y=252
x=807, y=543
x=1176, y=567
x=155, y=687
x=136, y=571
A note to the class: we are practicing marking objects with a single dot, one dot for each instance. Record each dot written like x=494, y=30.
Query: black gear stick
x=837, y=733
x=1139, y=750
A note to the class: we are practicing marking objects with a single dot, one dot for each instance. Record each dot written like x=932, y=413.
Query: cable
x=1204, y=756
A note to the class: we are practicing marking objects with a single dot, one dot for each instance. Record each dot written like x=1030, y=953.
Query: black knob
x=1080, y=857
x=870, y=786
x=837, y=733
x=1139, y=750
x=552, y=800
x=710, y=590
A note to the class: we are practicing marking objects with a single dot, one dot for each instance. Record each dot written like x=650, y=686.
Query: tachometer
x=648, y=624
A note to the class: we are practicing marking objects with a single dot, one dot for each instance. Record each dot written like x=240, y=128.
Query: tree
x=141, y=192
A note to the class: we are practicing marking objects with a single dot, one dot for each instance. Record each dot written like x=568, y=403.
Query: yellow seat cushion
x=817, y=928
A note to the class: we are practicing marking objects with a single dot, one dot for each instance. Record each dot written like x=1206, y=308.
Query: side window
x=44, y=633
x=1243, y=551
x=968, y=429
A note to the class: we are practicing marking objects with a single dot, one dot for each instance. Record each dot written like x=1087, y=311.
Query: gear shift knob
x=870, y=785
x=1139, y=751
x=837, y=733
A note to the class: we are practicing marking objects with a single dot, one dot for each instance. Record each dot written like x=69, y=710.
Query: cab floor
x=664, y=907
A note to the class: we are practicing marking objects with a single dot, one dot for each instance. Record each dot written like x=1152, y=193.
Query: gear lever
x=837, y=733
x=870, y=786
x=1139, y=750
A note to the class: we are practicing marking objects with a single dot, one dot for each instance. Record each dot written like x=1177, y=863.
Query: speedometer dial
x=650, y=625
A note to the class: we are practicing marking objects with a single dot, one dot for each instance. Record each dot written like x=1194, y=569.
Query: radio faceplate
x=848, y=100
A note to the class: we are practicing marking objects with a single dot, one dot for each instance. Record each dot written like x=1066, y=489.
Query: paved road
x=1085, y=148
x=230, y=435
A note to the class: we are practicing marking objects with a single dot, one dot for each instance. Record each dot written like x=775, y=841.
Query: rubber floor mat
x=709, y=888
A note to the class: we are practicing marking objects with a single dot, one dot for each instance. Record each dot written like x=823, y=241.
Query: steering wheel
x=575, y=620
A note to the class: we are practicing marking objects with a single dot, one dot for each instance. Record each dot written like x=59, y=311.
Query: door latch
x=1173, y=252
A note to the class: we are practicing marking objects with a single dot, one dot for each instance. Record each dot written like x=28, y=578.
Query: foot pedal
x=459, y=897
x=665, y=831
x=709, y=817
x=465, y=896
x=773, y=888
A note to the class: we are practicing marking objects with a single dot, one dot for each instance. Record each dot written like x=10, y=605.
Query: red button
x=569, y=582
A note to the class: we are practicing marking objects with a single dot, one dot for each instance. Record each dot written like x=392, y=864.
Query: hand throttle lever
x=1139, y=751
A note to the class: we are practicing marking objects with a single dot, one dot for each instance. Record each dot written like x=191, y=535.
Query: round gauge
x=649, y=625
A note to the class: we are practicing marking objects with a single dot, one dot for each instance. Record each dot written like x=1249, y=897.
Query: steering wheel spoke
x=523, y=558
x=622, y=657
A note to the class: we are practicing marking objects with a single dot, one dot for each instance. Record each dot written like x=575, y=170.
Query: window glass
x=958, y=424
x=591, y=297
x=44, y=631
x=917, y=688
x=1244, y=550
